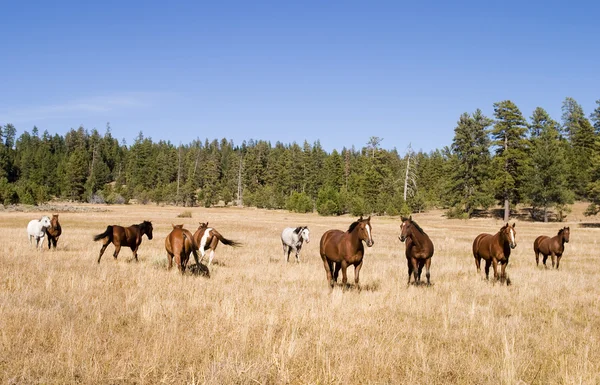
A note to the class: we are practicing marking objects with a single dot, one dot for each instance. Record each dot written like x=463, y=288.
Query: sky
x=334, y=71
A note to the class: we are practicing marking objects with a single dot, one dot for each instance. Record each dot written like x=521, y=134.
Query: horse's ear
x=514, y=223
x=360, y=219
x=410, y=218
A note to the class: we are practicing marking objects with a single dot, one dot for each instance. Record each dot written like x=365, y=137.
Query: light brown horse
x=343, y=249
x=419, y=249
x=495, y=249
x=54, y=231
x=554, y=246
x=124, y=236
x=207, y=238
x=180, y=244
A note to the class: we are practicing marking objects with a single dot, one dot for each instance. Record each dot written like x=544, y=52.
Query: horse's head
x=54, y=220
x=510, y=234
x=565, y=233
x=363, y=226
x=146, y=228
x=45, y=221
x=305, y=234
x=177, y=226
x=405, y=228
x=203, y=225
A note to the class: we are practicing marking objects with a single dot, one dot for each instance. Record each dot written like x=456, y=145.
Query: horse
x=124, y=236
x=36, y=229
x=179, y=244
x=344, y=249
x=554, y=246
x=419, y=249
x=292, y=239
x=207, y=238
x=54, y=231
x=495, y=249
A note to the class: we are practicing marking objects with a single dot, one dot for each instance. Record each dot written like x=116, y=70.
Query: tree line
x=502, y=160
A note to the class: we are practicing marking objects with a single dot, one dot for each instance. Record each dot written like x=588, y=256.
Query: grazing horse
x=292, y=239
x=554, y=246
x=36, y=229
x=495, y=249
x=344, y=249
x=208, y=238
x=180, y=243
x=124, y=236
x=419, y=249
x=54, y=231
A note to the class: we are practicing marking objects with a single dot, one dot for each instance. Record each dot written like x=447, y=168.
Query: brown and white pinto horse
x=419, y=249
x=54, y=231
x=180, y=244
x=343, y=249
x=495, y=249
x=554, y=246
x=124, y=236
x=207, y=238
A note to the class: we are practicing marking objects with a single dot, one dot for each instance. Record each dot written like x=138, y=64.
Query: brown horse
x=554, y=246
x=495, y=249
x=344, y=249
x=124, y=236
x=207, y=238
x=179, y=244
x=54, y=231
x=419, y=249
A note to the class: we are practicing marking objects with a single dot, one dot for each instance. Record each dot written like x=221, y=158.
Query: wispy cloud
x=78, y=107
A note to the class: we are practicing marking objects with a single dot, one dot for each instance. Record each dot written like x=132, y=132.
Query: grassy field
x=66, y=319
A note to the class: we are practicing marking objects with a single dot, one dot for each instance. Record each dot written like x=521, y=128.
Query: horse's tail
x=194, y=246
x=107, y=234
x=224, y=240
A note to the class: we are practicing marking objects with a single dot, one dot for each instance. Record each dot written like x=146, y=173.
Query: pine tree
x=595, y=117
x=511, y=160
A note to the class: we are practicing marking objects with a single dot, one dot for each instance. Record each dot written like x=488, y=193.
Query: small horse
x=208, y=238
x=292, y=239
x=344, y=249
x=495, y=249
x=124, y=236
x=554, y=246
x=419, y=249
x=180, y=243
x=54, y=231
x=36, y=229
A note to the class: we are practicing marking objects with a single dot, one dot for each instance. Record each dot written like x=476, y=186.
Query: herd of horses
x=338, y=249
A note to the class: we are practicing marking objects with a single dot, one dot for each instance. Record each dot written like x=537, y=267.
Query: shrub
x=299, y=202
x=185, y=214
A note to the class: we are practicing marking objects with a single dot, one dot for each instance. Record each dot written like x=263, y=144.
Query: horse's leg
x=170, y=259
x=102, y=251
x=421, y=264
x=117, y=250
x=49, y=242
x=336, y=270
x=54, y=242
x=298, y=254
x=495, y=265
x=410, y=269
x=553, y=259
x=212, y=255
x=328, y=265
x=357, y=274
x=544, y=260
x=415, y=269
x=488, y=263
x=427, y=266
x=286, y=251
x=558, y=257
x=537, y=257
x=478, y=263
x=504, y=277
x=344, y=275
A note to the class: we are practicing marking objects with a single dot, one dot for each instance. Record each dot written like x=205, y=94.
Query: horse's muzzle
x=402, y=239
x=513, y=245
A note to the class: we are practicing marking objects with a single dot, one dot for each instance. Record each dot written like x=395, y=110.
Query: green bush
x=328, y=201
x=299, y=202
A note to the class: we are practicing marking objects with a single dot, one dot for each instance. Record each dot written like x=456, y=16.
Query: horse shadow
x=421, y=284
x=199, y=269
x=373, y=286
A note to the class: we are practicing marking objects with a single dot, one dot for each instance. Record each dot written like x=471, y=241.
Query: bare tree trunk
x=506, y=210
x=178, y=170
x=406, y=176
x=239, y=192
x=545, y=214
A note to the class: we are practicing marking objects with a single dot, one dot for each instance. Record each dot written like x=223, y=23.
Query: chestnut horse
x=208, y=238
x=344, y=249
x=495, y=249
x=419, y=249
x=124, y=236
x=554, y=246
x=54, y=231
x=179, y=244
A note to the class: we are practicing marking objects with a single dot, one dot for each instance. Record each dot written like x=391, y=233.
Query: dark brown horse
x=180, y=244
x=495, y=249
x=343, y=249
x=124, y=236
x=554, y=246
x=54, y=231
x=419, y=249
x=207, y=238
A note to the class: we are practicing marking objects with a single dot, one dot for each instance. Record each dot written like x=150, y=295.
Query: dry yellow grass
x=66, y=319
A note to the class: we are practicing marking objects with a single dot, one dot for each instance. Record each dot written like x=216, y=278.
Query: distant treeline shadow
x=590, y=225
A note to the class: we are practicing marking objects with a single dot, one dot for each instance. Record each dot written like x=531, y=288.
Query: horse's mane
x=418, y=227
x=299, y=229
x=352, y=226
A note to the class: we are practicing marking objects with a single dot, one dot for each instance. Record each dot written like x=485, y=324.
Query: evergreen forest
x=497, y=161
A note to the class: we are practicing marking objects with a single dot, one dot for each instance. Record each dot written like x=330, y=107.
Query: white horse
x=292, y=238
x=36, y=229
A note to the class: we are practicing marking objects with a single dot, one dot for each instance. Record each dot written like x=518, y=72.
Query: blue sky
x=337, y=71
